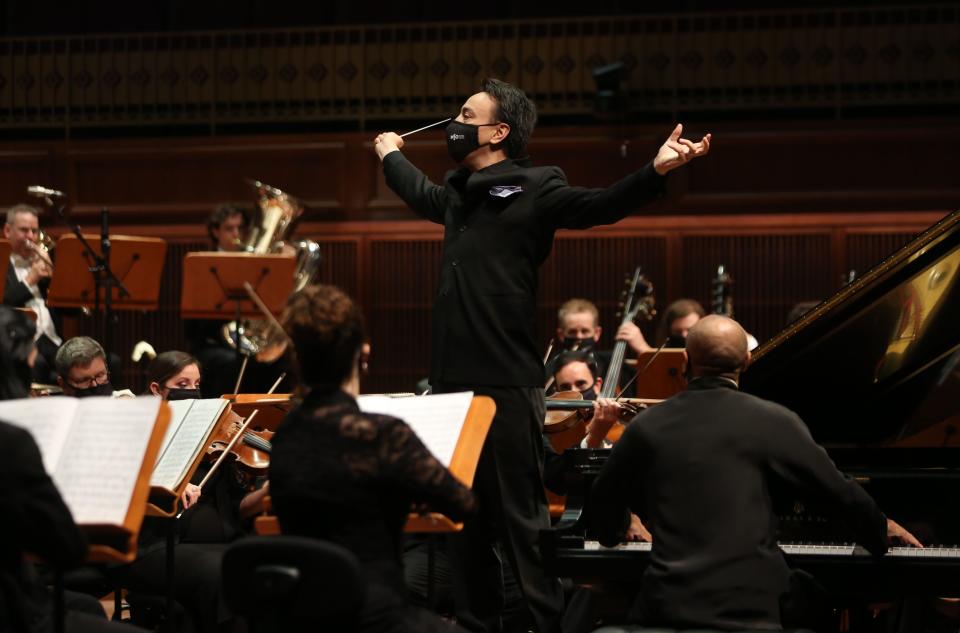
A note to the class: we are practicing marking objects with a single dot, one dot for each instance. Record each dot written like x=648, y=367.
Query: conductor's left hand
x=678, y=151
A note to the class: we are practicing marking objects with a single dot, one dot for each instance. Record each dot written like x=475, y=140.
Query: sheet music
x=97, y=473
x=178, y=411
x=47, y=419
x=186, y=443
x=436, y=419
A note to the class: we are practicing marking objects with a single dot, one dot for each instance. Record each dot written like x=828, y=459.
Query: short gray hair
x=78, y=351
x=21, y=208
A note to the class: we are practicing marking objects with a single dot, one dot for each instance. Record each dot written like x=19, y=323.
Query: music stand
x=213, y=285
x=80, y=282
x=136, y=261
x=5, y=251
x=663, y=378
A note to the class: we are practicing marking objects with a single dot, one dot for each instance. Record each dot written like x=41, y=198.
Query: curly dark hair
x=515, y=109
x=327, y=331
x=167, y=365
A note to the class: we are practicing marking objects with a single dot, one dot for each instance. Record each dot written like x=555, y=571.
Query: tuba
x=278, y=212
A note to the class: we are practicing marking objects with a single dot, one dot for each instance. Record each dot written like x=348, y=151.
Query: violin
x=252, y=451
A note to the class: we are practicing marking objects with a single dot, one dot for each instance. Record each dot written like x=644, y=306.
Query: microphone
x=43, y=192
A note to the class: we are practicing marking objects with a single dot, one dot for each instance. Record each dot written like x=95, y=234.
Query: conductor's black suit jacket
x=499, y=224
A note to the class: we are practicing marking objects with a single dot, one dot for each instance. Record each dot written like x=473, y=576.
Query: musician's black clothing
x=697, y=469
x=351, y=478
x=36, y=521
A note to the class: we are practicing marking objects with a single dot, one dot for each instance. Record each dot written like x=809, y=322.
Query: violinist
x=577, y=371
x=27, y=283
x=211, y=517
x=349, y=477
x=217, y=514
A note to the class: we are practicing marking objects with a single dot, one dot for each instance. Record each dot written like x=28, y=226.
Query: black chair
x=290, y=584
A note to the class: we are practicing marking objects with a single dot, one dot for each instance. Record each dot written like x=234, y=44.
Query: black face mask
x=675, y=340
x=589, y=394
x=174, y=393
x=581, y=344
x=463, y=138
x=106, y=389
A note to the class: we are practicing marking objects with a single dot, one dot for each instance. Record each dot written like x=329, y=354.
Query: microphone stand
x=103, y=276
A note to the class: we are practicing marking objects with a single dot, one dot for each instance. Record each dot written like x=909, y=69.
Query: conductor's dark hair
x=167, y=365
x=515, y=109
x=327, y=331
x=223, y=212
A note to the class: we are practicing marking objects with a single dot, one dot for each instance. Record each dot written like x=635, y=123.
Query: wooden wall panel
x=866, y=250
x=771, y=274
x=753, y=168
x=594, y=268
x=391, y=268
x=196, y=176
x=21, y=167
x=403, y=277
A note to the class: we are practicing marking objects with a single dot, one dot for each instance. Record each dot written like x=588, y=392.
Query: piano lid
x=876, y=364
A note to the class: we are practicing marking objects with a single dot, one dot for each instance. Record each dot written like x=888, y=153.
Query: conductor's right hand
x=898, y=535
x=386, y=143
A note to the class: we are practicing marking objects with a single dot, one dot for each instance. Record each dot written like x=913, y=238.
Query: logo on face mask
x=463, y=139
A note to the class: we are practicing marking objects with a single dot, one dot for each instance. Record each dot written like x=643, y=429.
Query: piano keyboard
x=799, y=549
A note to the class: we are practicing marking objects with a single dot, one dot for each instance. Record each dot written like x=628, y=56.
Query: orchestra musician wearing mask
x=82, y=370
x=211, y=518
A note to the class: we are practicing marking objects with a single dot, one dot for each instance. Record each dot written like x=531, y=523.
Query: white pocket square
x=504, y=191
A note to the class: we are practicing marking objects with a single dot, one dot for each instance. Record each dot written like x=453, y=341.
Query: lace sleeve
x=408, y=463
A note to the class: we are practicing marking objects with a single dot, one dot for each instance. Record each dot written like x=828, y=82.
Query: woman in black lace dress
x=350, y=477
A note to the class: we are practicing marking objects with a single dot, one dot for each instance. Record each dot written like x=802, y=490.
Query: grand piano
x=874, y=373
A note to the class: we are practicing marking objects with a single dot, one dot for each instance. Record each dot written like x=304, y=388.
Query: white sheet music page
x=178, y=411
x=47, y=419
x=187, y=442
x=436, y=419
x=98, y=470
